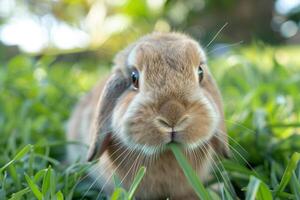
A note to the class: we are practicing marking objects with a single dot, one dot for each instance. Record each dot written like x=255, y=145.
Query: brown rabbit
x=160, y=91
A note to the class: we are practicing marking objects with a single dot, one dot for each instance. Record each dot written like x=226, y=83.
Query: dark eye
x=200, y=73
x=135, y=78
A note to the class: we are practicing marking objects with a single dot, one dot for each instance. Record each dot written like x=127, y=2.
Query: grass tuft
x=189, y=173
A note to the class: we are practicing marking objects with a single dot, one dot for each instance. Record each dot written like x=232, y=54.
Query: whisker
x=216, y=35
x=98, y=159
x=135, y=161
x=214, y=164
x=99, y=176
x=240, y=125
x=240, y=155
x=136, y=166
x=196, y=160
x=233, y=140
x=227, y=182
x=107, y=180
x=93, y=170
x=224, y=47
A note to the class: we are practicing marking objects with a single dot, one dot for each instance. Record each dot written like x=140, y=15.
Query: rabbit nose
x=172, y=114
x=166, y=124
x=163, y=122
x=167, y=127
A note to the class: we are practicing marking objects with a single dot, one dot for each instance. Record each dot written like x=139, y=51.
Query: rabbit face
x=170, y=99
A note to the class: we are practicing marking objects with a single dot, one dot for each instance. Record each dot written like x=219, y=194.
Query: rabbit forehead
x=159, y=52
x=167, y=64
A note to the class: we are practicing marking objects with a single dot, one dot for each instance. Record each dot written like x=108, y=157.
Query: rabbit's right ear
x=101, y=128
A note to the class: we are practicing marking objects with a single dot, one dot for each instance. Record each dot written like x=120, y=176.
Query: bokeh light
x=38, y=27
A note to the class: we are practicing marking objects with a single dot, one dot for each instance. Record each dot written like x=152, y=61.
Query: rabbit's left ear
x=101, y=128
x=220, y=139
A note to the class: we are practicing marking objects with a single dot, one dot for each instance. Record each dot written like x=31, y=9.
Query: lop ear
x=220, y=140
x=101, y=127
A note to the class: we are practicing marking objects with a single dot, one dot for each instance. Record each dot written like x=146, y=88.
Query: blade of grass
x=225, y=194
x=47, y=158
x=235, y=167
x=39, y=175
x=285, y=195
x=213, y=195
x=288, y=173
x=18, y=156
x=59, y=196
x=52, y=183
x=34, y=188
x=252, y=188
x=18, y=195
x=189, y=173
x=274, y=180
x=119, y=194
x=295, y=186
x=14, y=175
x=31, y=163
x=46, y=183
x=264, y=192
x=137, y=179
x=117, y=181
x=3, y=185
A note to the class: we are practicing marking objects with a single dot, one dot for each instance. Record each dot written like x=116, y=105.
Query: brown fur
x=131, y=128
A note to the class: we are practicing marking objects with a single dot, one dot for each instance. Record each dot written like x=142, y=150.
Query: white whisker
x=99, y=176
x=224, y=47
x=216, y=35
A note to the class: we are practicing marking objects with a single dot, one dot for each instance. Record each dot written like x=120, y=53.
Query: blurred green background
x=105, y=26
x=53, y=51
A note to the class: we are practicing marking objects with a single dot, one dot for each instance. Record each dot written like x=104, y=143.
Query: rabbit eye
x=200, y=73
x=135, y=78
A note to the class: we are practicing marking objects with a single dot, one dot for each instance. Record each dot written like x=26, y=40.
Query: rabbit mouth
x=157, y=149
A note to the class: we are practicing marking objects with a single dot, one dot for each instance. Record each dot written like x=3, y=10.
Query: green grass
x=260, y=87
x=198, y=187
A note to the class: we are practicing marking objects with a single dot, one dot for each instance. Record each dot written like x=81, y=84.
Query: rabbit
x=159, y=92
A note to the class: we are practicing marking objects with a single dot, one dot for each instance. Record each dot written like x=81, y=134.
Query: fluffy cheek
x=133, y=123
x=204, y=122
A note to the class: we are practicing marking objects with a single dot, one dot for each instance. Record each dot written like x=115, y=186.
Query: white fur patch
x=132, y=57
x=120, y=129
x=202, y=53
